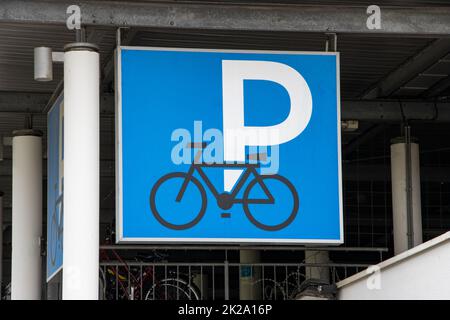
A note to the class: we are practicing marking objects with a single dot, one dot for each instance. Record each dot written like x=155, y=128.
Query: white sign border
x=119, y=181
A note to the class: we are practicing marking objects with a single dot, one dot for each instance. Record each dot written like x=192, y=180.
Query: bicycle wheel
x=169, y=186
x=172, y=289
x=271, y=290
x=288, y=191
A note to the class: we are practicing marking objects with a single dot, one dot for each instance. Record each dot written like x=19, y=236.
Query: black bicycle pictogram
x=224, y=200
x=56, y=229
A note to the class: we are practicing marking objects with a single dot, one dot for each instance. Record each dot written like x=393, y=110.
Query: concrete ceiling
x=376, y=63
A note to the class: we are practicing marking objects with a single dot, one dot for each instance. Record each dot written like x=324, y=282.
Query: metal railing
x=214, y=280
x=210, y=281
x=123, y=279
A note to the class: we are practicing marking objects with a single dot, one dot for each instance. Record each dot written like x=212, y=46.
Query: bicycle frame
x=249, y=170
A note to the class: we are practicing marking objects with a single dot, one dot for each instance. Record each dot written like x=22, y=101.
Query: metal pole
x=331, y=42
x=249, y=286
x=408, y=175
x=316, y=270
x=26, y=264
x=231, y=247
x=226, y=280
x=81, y=172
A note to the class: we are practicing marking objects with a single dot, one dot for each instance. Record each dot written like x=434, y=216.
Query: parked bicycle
x=131, y=282
x=6, y=292
x=225, y=200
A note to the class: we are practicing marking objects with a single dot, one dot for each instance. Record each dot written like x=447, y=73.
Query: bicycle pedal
x=225, y=215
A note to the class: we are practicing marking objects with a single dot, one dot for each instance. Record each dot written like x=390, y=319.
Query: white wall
x=420, y=273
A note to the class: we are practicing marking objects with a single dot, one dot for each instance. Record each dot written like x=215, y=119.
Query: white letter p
x=236, y=135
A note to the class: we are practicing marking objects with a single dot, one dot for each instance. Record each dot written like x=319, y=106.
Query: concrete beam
x=394, y=80
x=394, y=111
x=22, y=102
x=339, y=19
x=364, y=172
x=363, y=110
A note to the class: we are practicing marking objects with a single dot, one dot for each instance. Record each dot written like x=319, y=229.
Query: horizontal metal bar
x=391, y=111
x=358, y=170
x=266, y=17
x=181, y=264
x=221, y=264
x=263, y=248
x=318, y=265
x=367, y=110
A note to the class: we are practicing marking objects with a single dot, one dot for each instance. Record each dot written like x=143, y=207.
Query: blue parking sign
x=228, y=146
x=55, y=166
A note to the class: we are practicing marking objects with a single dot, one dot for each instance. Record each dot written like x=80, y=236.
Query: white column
x=1, y=241
x=249, y=284
x=81, y=172
x=26, y=265
x=317, y=257
x=400, y=195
